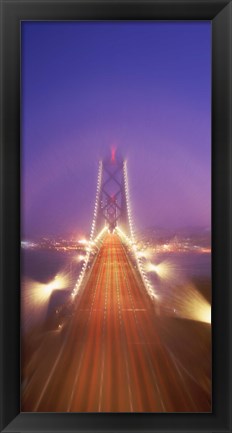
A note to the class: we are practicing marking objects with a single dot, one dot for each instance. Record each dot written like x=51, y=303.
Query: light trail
x=114, y=329
x=139, y=262
x=132, y=245
x=111, y=346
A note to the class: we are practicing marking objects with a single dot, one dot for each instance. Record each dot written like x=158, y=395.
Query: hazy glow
x=80, y=258
x=92, y=234
x=36, y=295
x=186, y=302
x=100, y=234
x=181, y=154
x=195, y=306
x=83, y=241
x=43, y=291
x=146, y=254
x=166, y=270
x=131, y=242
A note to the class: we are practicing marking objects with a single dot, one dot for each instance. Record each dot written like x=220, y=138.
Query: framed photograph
x=116, y=216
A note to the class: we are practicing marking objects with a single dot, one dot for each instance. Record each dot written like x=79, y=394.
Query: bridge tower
x=112, y=209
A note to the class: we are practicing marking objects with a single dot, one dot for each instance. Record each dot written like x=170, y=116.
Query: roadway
x=111, y=357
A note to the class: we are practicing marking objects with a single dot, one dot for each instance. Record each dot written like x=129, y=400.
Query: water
x=41, y=266
x=190, y=265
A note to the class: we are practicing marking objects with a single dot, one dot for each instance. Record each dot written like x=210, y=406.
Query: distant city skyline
x=143, y=87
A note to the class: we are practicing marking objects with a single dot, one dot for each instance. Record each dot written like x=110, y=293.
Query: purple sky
x=143, y=87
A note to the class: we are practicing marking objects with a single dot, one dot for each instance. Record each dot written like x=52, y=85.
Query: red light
x=113, y=151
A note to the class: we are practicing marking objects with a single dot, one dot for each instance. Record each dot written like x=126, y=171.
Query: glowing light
x=59, y=282
x=113, y=152
x=83, y=241
x=165, y=270
x=132, y=242
x=185, y=301
x=100, y=234
x=194, y=306
x=146, y=254
x=60, y=327
x=80, y=258
x=92, y=232
x=36, y=296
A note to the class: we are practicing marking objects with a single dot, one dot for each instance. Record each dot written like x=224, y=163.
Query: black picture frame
x=12, y=13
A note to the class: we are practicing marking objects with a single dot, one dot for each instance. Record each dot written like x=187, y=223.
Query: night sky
x=142, y=87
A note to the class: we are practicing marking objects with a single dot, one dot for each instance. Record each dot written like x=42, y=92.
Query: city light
x=111, y=290
x=83, y=241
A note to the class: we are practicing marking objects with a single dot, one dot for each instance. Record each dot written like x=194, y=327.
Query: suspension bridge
x=111, y=357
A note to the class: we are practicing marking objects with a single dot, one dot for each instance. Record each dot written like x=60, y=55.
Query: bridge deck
x=111, y=359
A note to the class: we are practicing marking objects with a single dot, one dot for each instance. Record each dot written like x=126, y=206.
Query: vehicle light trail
x=110, y=357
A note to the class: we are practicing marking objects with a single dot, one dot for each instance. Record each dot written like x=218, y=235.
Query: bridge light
x=166, y=270
x=80, y=258
x=59, y=282
x=83, y=241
